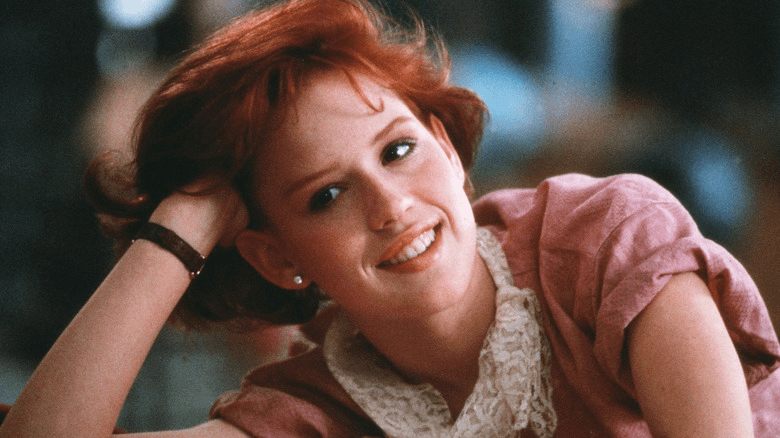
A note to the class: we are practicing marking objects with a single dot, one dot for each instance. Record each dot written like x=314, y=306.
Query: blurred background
x=686, y=92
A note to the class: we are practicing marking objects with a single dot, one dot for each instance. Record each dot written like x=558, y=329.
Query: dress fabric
x=513, y=391
x=595, y=252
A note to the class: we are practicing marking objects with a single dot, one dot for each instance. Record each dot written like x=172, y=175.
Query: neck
x=442, y=349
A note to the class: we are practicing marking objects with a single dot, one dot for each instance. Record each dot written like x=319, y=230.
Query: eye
x=323, y=198
x=398, y=149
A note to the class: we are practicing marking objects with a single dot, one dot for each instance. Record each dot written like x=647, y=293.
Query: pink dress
x=596, y=252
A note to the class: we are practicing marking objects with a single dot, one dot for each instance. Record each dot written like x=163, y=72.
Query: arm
x=211, y=429
x=688, y=376
x=80, y=386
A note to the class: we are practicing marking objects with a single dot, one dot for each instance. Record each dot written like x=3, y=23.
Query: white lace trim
x=513, y=391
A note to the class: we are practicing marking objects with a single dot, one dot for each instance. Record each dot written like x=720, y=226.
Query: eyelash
x=324, y=197
x=409, y=143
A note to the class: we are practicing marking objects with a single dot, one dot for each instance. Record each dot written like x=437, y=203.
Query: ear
x=440, y=133
x=264, y=252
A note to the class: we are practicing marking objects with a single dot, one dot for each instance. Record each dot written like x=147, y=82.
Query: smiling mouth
x=418, y=246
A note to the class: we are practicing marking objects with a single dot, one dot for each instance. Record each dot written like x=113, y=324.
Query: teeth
x=417, y=247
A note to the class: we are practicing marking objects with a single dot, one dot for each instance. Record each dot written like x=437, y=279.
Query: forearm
x=80, y=386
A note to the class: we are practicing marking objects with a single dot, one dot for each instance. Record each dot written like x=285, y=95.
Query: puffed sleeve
x=618, y=241
x=597, y=251
x=295, y=397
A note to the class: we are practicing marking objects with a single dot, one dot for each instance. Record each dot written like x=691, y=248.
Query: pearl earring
x=298, y=279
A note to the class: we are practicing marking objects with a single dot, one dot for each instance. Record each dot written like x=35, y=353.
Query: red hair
x=211, y=114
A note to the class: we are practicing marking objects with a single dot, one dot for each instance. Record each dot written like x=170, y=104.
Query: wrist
x=168, y=240
x=189, y=224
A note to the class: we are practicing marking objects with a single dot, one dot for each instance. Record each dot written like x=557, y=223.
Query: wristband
x=174, y=244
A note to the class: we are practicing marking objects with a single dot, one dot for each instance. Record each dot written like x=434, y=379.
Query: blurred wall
x=51, y=253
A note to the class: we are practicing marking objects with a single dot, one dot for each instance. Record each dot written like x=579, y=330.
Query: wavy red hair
x=212, y=113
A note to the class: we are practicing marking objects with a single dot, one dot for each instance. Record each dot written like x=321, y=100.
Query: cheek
x=326, y=248
x=451, y=195
x=335, y=268
x=446, y=182
x=446, y=169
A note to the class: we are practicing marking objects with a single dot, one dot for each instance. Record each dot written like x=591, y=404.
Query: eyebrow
x=303, y=182
x=390, y=126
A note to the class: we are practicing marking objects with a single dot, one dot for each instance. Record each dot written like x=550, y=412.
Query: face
x=366, y=202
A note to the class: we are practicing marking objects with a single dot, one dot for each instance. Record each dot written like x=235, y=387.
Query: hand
x=205, y=213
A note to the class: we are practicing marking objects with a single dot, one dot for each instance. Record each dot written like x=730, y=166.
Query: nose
x=387, y=202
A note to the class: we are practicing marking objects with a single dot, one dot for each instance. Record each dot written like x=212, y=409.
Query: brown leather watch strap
x=171, y=242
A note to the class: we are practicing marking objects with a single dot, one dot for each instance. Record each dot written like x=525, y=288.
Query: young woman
x=312, y=152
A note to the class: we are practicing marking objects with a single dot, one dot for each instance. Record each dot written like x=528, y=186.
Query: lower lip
x=422, y=261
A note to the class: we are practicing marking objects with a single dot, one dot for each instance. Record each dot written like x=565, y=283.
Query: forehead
x=329, y=107
x=327, y=114
x=330, y=98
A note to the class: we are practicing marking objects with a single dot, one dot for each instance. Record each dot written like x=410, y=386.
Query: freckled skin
x=335, y=142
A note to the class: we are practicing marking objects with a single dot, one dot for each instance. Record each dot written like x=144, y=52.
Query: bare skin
x=80, y=386
x=688, y=377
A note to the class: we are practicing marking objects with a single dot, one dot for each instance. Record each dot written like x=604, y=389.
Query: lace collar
x=513, y=391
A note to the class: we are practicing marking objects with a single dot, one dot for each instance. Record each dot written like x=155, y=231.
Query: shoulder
x=298, y=393
x=591, y=210
x=575, y=190
x=574, y=237
x=623, y=190
x=578, y=196
x=304, y=373
x=576, y=205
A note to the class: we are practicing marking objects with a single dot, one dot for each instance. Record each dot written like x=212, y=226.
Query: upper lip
x=404, y=239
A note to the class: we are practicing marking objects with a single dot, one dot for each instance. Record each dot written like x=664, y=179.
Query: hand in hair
x=205, y=213
x=80, y=386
